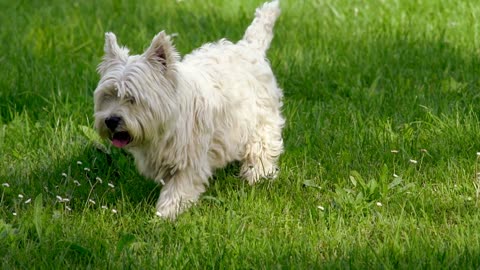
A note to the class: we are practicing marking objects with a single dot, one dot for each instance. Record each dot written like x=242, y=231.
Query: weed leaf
x=37, y=215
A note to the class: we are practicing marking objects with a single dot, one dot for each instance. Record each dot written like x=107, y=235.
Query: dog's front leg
x=179, y=192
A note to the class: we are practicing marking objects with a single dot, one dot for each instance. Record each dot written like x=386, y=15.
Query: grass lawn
x=382, y=142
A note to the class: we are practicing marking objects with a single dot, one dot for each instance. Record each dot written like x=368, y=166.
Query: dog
x=182, y=119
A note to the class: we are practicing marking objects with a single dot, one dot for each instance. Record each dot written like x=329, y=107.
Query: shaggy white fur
x=182, y=119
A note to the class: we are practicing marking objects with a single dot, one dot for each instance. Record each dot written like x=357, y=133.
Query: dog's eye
x=107, y=97
x=131, y=100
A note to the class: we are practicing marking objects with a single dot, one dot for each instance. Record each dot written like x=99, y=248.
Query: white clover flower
x=111, y=185
x=91, y=201
x=79, y=162
x=28, y=201
x=14, y=213
x=76, y=183
x=423, y=150
x=162, y=182
x=158, y=214
x=379, y=204
x=478, y=154
x=86, y=169
x=394, y=151
x=68, y=208
x=395, y=175
x=5, y=185
x=321, y=208
x=64, y=175
x=413, y=161
x=114, y=211
x=99, y=180
x=20, y=196
x=104, y=207
x=65, y=200
x=59, y=198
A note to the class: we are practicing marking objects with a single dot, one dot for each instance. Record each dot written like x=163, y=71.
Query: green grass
x=361, y=78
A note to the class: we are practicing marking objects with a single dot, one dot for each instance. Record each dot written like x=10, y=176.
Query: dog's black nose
x=113, y=122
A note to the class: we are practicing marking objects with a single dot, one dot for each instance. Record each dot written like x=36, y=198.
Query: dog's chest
x=153, y=165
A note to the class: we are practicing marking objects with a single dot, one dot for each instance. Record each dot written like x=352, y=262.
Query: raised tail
x=260, y=33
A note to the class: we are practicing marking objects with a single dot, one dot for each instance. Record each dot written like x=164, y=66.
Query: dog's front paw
x=168, y=209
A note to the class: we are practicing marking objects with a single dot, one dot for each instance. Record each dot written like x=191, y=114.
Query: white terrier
x=182, y=119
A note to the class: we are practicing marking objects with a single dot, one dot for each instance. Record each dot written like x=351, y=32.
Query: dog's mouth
x=121, y=139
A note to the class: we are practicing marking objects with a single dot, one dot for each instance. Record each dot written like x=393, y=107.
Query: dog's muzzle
x=119, y=138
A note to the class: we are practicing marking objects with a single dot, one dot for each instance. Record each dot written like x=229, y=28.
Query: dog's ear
x=113, y=53
x=112, y=50
x=161, y=51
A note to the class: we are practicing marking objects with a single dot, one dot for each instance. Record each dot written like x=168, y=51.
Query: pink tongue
x=119, y=143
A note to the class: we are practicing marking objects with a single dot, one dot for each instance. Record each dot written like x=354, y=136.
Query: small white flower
x=321, y=208
x=91, y=201
x=452, y=24
x=59, y=198
x=478, y=154
x=158, y=214
x=68, y=208
x=64, y=175
x=76, y=183
x=111, y=185
x=5, y=185
x=14, y=213
x=104, y=207
x=79, y=162
x=86, y=169
x=28, y=201
x=423, y=150
x=114, y=211
x=394, y=151
x=65, y=200
x=379, y=204
x=162, y=182
x=20, y=196
x=99, y=180
x=413, y=161
x=395, y=175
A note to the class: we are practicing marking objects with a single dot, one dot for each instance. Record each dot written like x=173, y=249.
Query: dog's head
x=135, y=97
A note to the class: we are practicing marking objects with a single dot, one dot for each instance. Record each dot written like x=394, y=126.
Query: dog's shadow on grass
x=98, y=179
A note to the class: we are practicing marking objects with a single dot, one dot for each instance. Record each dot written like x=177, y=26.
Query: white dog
x=182, y=119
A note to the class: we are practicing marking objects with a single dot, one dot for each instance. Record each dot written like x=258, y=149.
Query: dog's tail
x=260, y=33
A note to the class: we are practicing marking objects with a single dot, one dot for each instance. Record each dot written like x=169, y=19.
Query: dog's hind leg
x=262, y=153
